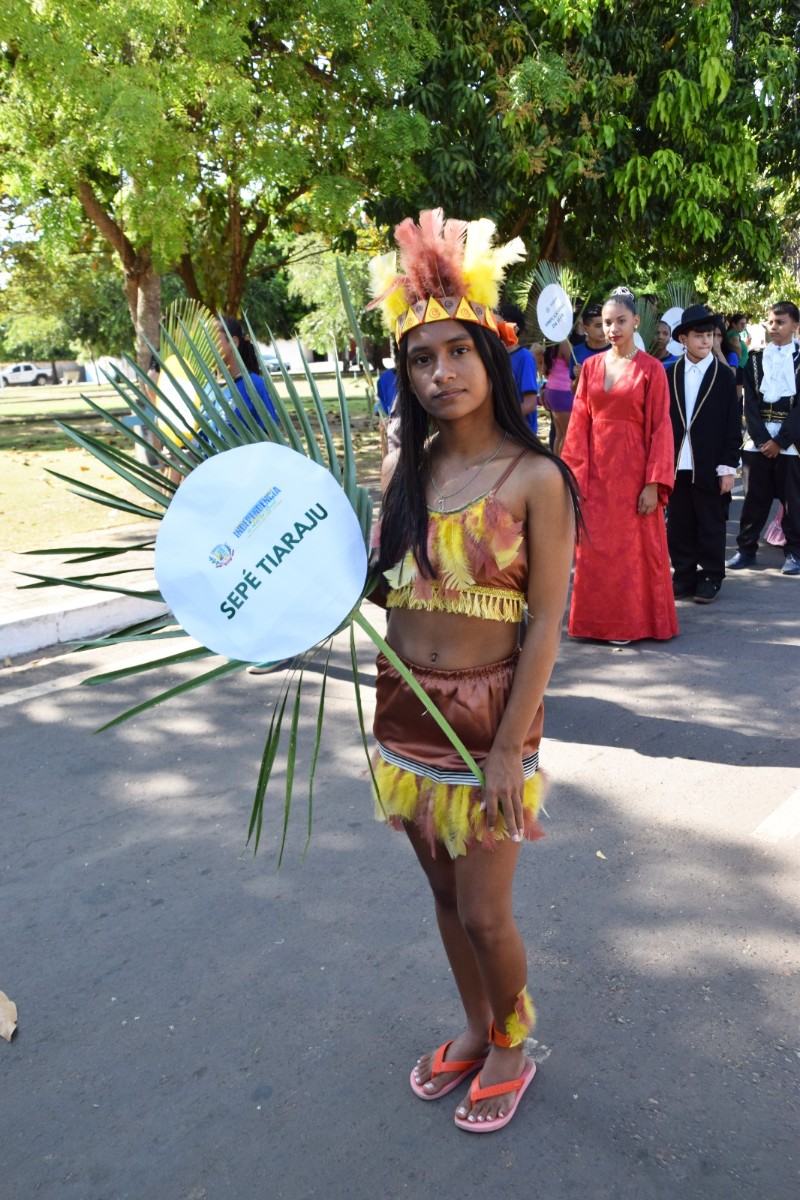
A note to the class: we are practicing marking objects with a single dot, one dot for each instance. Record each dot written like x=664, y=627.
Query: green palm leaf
x=527, y=291
x=191, y=413
x=680, y=293
x=648, y=322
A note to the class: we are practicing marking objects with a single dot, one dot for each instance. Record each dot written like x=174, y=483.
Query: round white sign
x=554, y=313
x=673, y=317
x=260, y=555
x=638, y=341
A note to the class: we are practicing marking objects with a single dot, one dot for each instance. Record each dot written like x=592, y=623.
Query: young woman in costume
x=620, y=446
x=478, y=524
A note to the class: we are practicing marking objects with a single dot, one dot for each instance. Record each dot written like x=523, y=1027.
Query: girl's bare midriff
x=449, y=641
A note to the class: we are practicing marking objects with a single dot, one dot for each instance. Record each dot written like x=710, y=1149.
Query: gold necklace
x=449, y=495
x=625, y=357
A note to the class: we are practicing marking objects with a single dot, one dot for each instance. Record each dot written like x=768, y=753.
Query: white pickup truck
x=23, y=373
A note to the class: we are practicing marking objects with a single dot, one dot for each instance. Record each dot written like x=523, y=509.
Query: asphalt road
x=194, y=1025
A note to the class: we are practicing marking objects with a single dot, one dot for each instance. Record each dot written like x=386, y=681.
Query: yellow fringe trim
x=491, y=604
x=522, y=1019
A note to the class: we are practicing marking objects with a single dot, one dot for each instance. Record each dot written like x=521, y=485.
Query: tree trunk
x=185, y=268
x=550, y=249
x=142, y=285
x=235, y=287
x=143, y=293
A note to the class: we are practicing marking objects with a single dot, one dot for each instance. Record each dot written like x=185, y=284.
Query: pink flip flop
x=440, y=1067
x=476, y=1093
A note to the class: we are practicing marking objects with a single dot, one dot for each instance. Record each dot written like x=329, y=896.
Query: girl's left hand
x=503, y=788
x=648, y=500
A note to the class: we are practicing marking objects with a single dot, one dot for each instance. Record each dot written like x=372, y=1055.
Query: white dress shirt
x=693, y=376
x=778, y=380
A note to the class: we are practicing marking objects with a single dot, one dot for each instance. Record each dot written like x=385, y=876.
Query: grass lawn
x=38, y=511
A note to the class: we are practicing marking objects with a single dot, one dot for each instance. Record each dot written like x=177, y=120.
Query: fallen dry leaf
x=600, y=854
x=8, y=1017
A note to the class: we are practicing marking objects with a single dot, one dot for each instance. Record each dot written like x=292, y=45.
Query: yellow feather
x=404, y=573
x=384, y=281
x=475, y=524
x=504, y=558
x=454, y=569
x=441, y=813
x=485, y=264
x=522, y=1019
x=478, y=276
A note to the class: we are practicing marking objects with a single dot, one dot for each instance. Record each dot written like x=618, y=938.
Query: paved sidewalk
x=32, y=620
x=194, y=1025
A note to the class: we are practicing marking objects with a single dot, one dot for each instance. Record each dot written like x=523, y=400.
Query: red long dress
x=617, y=442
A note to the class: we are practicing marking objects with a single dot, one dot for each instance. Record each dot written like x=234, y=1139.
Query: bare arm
x=530, y=401
x=551, y=537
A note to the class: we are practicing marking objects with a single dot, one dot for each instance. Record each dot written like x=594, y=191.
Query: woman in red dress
x=620, y=446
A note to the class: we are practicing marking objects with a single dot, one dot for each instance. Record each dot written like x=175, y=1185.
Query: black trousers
x=765, y=480
x=696, y=521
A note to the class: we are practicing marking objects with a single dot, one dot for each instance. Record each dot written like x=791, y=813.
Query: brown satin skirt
x=421, y=777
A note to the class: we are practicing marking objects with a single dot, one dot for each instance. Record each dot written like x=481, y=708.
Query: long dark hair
x=404, y=524
x=245, y=347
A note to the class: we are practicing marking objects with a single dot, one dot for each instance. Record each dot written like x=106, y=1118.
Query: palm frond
x=192, y=412
x=526, y=292
x=648, y=321
x=193, y=332
x=680, y=293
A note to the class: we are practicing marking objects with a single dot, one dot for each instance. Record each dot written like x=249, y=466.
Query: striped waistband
x=530, y=765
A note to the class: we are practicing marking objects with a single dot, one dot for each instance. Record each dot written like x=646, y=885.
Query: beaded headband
x=449, y=271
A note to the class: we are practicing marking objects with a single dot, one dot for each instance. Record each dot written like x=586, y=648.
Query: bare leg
x=487, y=956
x=484, y=882
x=473, y=1043
x=561, y=422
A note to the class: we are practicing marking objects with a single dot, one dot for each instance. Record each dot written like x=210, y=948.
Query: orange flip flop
x=440, y=1067
x=476, y=1093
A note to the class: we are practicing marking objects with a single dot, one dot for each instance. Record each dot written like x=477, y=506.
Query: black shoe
x=706, y=591
x=682, y=590
x=740, y=561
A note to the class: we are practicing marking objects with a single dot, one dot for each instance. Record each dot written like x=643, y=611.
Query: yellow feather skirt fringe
x=448, y=815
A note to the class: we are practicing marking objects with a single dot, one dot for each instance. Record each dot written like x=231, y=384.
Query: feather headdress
x=448, y=269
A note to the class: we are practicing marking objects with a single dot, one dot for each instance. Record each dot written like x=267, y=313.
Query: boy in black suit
x=707, y=432
x=771, y=452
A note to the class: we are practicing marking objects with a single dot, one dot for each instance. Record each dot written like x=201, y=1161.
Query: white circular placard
x=260, y=555
x=554, y=313
x=673, y=317
x=638, y=341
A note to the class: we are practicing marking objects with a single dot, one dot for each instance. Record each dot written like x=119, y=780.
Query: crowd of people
x=645, y=445
x=677, y=434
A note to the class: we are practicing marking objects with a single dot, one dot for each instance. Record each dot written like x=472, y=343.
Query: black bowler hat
x=695, y=314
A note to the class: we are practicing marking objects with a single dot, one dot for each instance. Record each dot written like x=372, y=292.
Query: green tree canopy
x=313, y=280
x=613, y=134
x=186, y=133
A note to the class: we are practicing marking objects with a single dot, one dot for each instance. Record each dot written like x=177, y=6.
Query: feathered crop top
x=480, y=560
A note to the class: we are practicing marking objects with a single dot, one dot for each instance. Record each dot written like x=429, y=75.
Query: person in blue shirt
x=233, y=334
x=387, y=390
x=595, y=343
x=387, y=394
x=523, y=366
